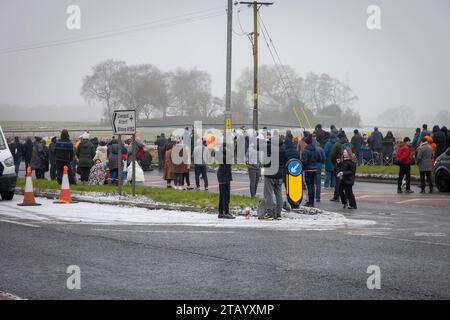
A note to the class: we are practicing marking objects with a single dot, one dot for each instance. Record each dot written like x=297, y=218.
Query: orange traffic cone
x=28, y=196
x=64, y=195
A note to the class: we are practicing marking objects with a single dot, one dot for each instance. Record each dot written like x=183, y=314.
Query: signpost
x=124, y=123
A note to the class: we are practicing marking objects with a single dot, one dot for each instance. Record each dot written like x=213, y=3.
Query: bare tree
x=102, y=85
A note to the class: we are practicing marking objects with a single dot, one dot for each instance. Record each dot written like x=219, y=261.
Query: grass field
x=385, y=170
x=167, y=196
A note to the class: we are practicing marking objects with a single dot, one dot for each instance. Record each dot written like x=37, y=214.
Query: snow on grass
x=87, y=213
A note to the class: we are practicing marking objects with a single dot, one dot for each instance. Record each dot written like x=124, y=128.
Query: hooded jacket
x=404, y=155
x=281, y=159
x=328, y=147
x=290, y=150
x=309, y=158
x=424, y=158
x=85, y=154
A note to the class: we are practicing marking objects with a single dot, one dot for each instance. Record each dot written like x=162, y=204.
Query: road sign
x=294, y=182
x=124, y=122
x=228, y=124
x=295, y=168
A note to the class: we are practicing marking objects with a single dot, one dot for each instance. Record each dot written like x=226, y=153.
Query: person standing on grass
x=46, y=157
x=52, y=159
x=424, y=161
x=161, y=143
x=424, y=132
x=169, y=175
x=64, y=156
x=404, y=159
x=416, y=141
x=38, y=158
x=224, y=177
x=85, y=154
x=357, y=142
x=309, y=162
x=347, y=176
x=113, y=163
x=200, y=164
x=27, y=153
x=16, y=149
x=179, y=169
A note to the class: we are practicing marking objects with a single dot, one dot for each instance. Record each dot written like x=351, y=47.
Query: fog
x=405, y=63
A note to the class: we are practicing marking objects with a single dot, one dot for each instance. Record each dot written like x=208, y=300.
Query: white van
x=8, y=176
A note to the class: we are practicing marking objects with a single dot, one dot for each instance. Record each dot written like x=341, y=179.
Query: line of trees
x=187, y=94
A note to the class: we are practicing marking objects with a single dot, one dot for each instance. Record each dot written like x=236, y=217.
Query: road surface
x=409, y=241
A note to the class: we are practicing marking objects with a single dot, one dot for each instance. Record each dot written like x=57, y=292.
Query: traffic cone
x=28, y=196
x=64, y=195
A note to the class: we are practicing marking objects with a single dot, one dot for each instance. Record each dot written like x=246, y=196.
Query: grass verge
x=162, y=195
x=393, y=170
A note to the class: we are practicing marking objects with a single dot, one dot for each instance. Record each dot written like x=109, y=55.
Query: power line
x=160, y=23
x=266, y=35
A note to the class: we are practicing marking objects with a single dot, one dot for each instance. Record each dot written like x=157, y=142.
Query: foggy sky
x=405, y=63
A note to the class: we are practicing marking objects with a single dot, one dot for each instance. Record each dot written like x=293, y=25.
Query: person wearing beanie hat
x=85, y=136
x=85, y=153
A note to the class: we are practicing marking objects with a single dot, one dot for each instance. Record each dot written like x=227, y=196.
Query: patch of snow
x=88, y=213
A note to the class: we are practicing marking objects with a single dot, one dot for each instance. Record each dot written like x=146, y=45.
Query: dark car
x=441, y=172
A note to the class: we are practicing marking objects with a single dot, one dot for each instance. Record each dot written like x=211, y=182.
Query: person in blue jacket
x=330, y=181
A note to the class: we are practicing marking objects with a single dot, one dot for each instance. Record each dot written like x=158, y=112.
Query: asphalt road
x=410, y=244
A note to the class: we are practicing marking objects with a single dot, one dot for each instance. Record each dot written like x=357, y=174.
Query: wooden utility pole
x=256, y=5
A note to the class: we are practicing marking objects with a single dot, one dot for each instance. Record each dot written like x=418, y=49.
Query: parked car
x=441, y=172
x=8, y=176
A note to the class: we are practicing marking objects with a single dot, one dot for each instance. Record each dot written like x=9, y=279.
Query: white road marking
x=429, y=234
x=20, y=223
x=407, y=240
x=363, y=197
x=160, y=231
x=406, y=201
x=9, y=296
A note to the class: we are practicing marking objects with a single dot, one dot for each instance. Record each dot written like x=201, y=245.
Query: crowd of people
x=89, y=160
x=331, y=152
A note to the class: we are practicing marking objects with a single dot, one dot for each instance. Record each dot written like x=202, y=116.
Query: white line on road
x=160, y=231
x=9, y=296
x=406, y=201
x=20, y=223
x=429, y=234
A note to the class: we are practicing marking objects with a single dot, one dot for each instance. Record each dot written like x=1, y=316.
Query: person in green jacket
x=85, y=155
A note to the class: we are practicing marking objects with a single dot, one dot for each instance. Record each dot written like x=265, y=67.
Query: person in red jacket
x=404, y=158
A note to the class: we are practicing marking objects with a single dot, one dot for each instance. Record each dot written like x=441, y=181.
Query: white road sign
x=124, y=122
